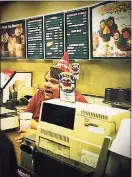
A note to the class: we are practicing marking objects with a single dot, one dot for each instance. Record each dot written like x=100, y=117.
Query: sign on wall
x=111, y=30
x=12, y=39
x=54, y=36
x=42, y=37
x=35, y=48
x=76, y=33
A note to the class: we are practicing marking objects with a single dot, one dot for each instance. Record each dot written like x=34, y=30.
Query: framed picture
x=110, y=30
x=12, y=39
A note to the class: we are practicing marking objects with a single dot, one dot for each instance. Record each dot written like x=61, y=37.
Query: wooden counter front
x=21, y=171
x=12, y=134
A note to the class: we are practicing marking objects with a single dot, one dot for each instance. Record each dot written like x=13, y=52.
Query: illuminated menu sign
x=35, y=38
x=76, y=33
x=54, y=36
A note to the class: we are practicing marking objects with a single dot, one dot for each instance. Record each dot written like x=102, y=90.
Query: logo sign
x=67, y=86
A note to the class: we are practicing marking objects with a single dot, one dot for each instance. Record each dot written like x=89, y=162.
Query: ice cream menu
x=76, y=31
x=54, y=36
x=35, y=49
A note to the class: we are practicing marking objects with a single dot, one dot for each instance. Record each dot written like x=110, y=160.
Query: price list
x=54, y=36
x=76, y=33
x=35, y=38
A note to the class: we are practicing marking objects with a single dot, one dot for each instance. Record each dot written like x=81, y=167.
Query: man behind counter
x=50, y=91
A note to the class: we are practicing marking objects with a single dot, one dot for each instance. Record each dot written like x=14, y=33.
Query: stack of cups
x=25, y=120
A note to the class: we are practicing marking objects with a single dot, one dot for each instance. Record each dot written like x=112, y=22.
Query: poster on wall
x=5, y=76
x=54, y=36
x=35, y=49
x=76, y=33
x=110, y=30
x=12, y=39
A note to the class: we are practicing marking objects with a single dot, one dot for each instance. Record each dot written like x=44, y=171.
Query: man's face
x=51, y=87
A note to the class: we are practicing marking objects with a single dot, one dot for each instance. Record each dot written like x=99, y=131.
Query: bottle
x=15, y=93
x=15, y=96
x=11, y=93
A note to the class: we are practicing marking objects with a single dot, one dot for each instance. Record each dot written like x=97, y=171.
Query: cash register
x=8, y=119
x=70, y=136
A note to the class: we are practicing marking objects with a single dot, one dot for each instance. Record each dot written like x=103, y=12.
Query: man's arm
x=31, y=105
x=23, y=131
x=34, y=124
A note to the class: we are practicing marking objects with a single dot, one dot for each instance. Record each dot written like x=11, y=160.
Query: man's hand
x=21, y=132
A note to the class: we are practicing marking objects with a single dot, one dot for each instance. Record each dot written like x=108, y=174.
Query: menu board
x=76, y=33
x=54, y=36
x=12, y=39
x=35, y=49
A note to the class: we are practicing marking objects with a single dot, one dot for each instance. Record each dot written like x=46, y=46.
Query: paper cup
x=25, y=119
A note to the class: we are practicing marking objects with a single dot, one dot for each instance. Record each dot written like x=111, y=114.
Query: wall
x=95, y=75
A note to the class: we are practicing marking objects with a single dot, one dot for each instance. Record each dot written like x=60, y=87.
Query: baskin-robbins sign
x=67, y=86
x=66, y=80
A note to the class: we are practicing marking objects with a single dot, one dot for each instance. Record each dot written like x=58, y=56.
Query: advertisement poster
x=67, y=84
x=111, y=30
x=12, y=39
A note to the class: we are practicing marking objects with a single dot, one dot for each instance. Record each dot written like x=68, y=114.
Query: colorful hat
x=63, y=64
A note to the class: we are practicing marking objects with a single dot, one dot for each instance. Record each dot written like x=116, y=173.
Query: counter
x=12, y=134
